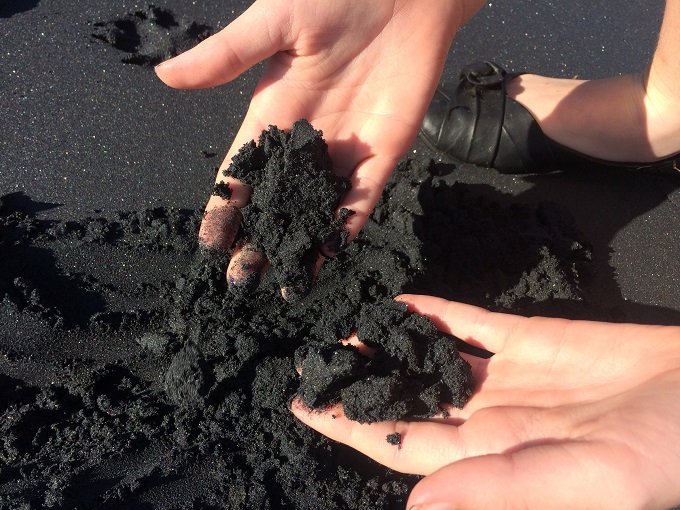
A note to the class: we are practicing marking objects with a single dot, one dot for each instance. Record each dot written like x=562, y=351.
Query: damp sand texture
x=291, y=214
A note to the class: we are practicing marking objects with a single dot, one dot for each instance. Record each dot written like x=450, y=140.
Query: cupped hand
x=565, y=414
x=362, y=72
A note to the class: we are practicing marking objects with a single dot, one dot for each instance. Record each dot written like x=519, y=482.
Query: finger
x=354, y=341
x=228, y=190
x=474, y=325
x=368, y=181
x=246, y=267
x=339, y=239
x=559, y=476
x=427, y=445
x=251, y=38
x=295, y=293
x=219, y=226
x=424, y=446
x=222, y=216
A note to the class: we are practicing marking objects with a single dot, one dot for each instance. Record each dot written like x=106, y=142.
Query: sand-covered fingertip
x=219, y=228
x=246, y=268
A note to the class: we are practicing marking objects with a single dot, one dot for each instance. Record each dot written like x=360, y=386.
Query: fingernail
x=219, y=228
x=433, y=506
x=162, y=64
x=159, y=66
x=246, y=268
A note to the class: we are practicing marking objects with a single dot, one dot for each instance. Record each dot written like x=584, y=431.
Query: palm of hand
x=561, y=407
x=362, y=72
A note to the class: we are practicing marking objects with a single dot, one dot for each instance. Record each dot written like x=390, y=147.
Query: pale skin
x=359, y=70
x=364, y=72
x=565, y=414
x=634, y=117
x=356, y=70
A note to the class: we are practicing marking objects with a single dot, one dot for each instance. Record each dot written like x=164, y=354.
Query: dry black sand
x=131, y=378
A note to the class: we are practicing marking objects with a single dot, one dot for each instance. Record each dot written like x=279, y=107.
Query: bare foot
x=623, y=118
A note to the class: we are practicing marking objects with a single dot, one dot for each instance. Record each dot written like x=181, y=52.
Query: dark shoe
x=475, y=121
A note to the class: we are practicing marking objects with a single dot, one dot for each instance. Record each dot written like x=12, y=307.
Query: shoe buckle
x=484, y=74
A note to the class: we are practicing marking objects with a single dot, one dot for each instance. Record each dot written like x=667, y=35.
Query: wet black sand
x=122, y=346
x=131, y=378
x=291, y=214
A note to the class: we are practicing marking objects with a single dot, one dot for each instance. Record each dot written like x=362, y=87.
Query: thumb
x=251, y=38
x=549, y=476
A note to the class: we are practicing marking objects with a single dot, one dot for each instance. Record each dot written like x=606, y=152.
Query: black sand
x=412, y=370
x=131, y=378
x=129, y=365
x=291, y=214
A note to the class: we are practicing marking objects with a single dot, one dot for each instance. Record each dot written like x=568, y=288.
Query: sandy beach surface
x=130, y=377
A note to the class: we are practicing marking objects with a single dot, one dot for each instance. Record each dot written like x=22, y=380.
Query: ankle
x=662, y=106
x=624, y=118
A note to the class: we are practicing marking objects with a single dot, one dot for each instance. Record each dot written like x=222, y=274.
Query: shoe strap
x=485, y=82
x=506, y=136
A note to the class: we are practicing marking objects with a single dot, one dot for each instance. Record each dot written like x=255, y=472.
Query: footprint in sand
x=150, y=35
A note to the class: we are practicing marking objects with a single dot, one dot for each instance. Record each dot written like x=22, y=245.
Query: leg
x=625, y=118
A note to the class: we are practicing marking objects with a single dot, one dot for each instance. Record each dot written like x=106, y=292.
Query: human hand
x=362, y=72
x=566, y=414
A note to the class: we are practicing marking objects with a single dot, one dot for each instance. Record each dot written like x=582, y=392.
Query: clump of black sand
x=413, y=370
x=131, y=378
x=394, y=439
x=291, y=214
